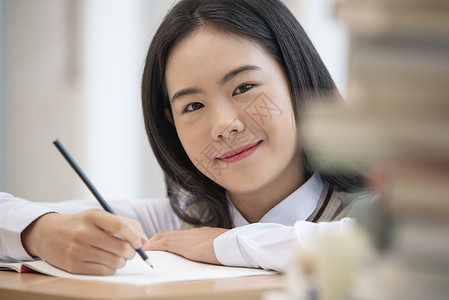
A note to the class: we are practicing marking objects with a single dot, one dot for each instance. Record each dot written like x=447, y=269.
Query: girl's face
x=232, y=110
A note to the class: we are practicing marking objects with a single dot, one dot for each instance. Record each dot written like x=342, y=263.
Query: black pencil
x=94, y=191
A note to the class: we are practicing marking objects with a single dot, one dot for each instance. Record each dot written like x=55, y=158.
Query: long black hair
x=271, y=25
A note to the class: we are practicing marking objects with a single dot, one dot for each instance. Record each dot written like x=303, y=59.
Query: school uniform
x=298, y=219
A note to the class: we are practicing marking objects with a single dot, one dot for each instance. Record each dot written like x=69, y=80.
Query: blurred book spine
x=396, y=122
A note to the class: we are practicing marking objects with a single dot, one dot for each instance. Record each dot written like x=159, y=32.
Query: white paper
x=168, y=267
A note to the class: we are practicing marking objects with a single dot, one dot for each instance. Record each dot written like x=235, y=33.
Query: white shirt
x=267, y=244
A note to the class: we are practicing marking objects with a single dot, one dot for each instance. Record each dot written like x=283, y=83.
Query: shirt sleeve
x=270, y=246
x=16, y=214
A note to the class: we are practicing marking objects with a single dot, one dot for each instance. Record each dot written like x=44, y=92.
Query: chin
x=244, y=186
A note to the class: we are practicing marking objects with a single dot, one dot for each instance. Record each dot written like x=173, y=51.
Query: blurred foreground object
x=398, y=86
x=396, y=122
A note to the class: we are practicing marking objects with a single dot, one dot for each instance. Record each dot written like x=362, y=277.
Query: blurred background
x=71, y=70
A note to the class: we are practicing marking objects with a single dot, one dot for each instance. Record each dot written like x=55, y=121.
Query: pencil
x=94, y=191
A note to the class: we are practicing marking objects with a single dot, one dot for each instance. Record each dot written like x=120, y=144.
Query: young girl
x=223, y=88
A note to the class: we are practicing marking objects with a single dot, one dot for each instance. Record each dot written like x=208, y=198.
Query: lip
x=239, y=153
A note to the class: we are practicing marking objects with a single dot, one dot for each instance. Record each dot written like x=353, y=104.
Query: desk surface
x=36, y=286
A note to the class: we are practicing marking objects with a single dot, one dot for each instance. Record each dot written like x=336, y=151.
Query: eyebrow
x=191, y=91
x=226, y=78
x=235, y=72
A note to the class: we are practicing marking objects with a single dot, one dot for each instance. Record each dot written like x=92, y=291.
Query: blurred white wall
x=2, y=89
x=116, y=41
x=329, y=36
x=71, y=70
x=41, y=98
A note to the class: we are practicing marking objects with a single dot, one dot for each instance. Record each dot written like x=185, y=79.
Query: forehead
x=210, y=50
x=213, y=41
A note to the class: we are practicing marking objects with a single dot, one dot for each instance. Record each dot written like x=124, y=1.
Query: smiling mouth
x=239, y=153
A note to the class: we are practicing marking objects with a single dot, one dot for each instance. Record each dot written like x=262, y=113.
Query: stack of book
x=395, y=120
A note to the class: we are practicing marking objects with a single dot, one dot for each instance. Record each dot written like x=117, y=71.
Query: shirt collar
x=297, y=206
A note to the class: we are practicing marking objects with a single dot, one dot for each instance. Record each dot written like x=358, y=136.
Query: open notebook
x=168, y=267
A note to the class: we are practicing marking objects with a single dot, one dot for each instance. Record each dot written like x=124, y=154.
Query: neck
x=255, y=204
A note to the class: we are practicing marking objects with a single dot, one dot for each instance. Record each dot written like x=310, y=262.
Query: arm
x=270, y=246
x=67, y=238
x=16, y=215
x=258, y=245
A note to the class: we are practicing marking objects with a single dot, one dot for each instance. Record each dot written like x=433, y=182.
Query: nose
x=226, y=122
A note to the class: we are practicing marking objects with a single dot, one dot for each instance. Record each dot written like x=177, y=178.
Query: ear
x=168, y=115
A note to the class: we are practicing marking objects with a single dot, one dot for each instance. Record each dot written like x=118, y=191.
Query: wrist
x=31, y=236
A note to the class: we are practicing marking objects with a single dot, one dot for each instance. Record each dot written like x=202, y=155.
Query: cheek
x=288, y=130
x=280, y=126
x=289, y=123
x=193, y=140
x=288, y=117
x=283, y=132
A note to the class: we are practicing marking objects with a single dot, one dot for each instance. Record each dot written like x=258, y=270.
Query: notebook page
x=10, y=266
x=168, y=267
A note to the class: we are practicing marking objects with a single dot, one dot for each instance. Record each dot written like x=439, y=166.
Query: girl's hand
x=84, y=243
x=195, y=244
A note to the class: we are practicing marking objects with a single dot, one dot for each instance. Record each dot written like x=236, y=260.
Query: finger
x=107, y=242
x=108, y=259
x=118, y=225
x=89, y=268
x=164, y=241
x=137, y=226
x=79, y=257
x=195, y=244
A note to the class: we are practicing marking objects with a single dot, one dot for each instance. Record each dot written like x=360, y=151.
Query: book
x=168, y=267
x=394, y=124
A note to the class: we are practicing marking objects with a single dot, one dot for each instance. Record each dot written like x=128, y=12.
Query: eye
x=242, y=88
x=193, y=106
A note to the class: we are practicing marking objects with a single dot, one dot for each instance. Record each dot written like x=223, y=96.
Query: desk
x=41, y=287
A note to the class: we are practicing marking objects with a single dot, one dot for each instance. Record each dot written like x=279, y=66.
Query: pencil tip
x=149, y=263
